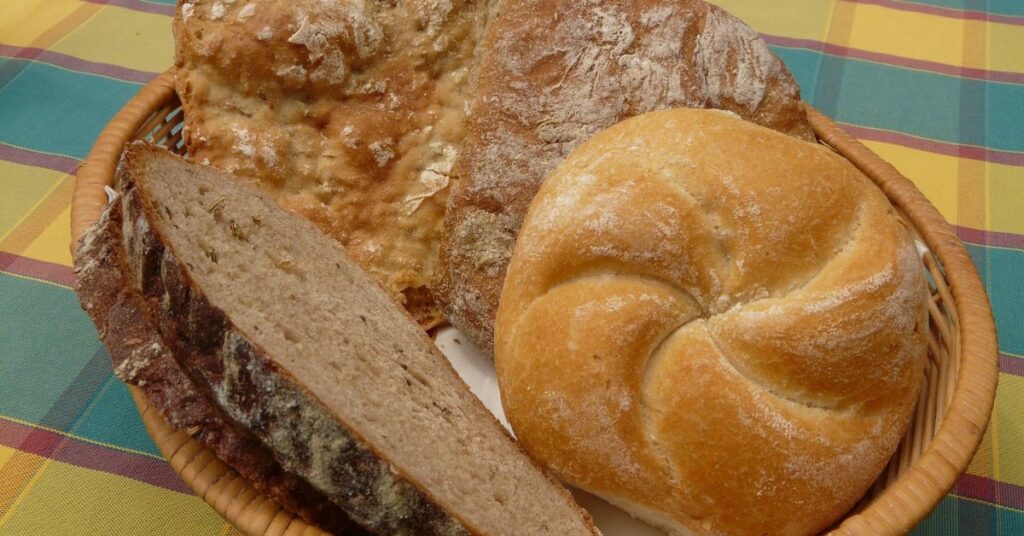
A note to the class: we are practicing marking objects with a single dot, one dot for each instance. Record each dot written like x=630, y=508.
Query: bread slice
x=141, y=358
x=300, y=346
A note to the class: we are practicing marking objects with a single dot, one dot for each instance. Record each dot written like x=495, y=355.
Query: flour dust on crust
x=350, y=113
x=141, y=358
x=770, y=398
x=551, y=75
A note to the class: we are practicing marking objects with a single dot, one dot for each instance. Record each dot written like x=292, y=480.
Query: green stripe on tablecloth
x=1000, y=269
x=956, y=515
x=46, y=108
x=997, y=7
x=919, y=103
x=54, y=371
x=112, y=419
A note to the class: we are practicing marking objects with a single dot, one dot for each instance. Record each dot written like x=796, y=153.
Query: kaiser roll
x=715, y=326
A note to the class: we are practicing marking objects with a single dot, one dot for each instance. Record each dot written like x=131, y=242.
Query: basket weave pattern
x=946, y=428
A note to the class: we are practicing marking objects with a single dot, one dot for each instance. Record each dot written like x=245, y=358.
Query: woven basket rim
x=896, y=510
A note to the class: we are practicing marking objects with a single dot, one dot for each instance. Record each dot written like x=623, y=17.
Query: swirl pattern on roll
x=718, y=327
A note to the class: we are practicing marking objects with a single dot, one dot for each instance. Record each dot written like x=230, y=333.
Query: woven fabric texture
x=935, y=87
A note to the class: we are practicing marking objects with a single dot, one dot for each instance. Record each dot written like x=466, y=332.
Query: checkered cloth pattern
x=935, y=87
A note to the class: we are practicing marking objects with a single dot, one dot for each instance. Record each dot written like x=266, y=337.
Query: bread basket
x=947, y=426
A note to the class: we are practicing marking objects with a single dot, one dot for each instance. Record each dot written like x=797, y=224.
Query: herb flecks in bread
x=141, y=358
x=715, y=326
x=302, y=347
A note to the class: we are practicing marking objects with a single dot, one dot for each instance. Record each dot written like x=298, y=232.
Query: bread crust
x=140, y=357
x=553, y=73
x=348, y=113
x=718, y=323
x=307, y=438
x=250, y=389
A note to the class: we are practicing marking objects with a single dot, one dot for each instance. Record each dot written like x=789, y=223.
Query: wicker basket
x=950, y=418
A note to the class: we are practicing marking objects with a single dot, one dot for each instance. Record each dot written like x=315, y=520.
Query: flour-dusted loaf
x=715, y=326
x=298, y=345
x=347, y=112
x=363, y=116
x=554, y=72
x=141, y=358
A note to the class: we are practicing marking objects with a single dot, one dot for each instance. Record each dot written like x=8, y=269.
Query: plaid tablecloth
x=936, y=87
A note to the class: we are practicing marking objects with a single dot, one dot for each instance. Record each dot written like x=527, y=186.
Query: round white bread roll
x=715, y=326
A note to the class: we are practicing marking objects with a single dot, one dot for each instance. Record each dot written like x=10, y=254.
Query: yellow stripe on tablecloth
x=910, y=35
x=70, y=500
x=943, y=181
x=1006, y=47
x=52, y=244
x=41, y=216
x=798, y=19
x=148, y=47
x=23, y=187
x=934, y=174
x=24, y=21
x=20, y=472
x=1008, y=430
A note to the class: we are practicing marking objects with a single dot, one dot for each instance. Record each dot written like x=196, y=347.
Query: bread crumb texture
x=714, y=325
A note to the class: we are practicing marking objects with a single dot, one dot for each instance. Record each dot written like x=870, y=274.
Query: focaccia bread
x=717, y=327
x=551, y=74
x=347, y=112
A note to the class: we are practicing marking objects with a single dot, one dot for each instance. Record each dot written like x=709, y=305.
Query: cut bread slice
x=141, y=358
x=300, y=346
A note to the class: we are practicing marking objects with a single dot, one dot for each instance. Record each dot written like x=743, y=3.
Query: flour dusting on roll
x=715, y=326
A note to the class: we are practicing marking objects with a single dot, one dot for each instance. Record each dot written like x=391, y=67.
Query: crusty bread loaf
x=715, y=326
x=303, y=349
x=141, y=358
x=551, y=74
x=349, y=113
x=354, y=113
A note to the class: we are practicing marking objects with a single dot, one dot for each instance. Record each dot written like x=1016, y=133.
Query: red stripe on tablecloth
x=990, y=238
x=56, y=162
x=898, y=61
x=80, y=453
x=965, y=14
x=1011, y=365
x=973, y=152
x=137, y=5
x=75, y=64
x=37, y=269
x=990, y=490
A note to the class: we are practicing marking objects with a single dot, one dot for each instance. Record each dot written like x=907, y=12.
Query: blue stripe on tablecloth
x=1000, y=269
x=53, y=110
x=904, y=100
x=56, y=372
x=1013, y=8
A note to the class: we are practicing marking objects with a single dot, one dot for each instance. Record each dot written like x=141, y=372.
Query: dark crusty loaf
x=141, y=358
x=303, y=349
x=553, y=73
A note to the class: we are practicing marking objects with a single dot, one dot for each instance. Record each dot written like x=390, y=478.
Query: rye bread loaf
x=717, y=327
x=301, y=347
x=553, y=73
x=140, y=357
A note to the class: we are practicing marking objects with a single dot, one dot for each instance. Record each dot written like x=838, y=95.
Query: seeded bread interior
x=305, y=348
